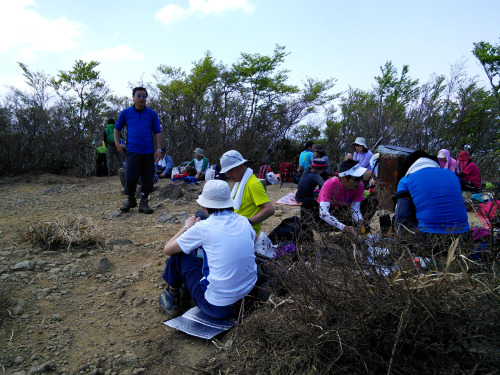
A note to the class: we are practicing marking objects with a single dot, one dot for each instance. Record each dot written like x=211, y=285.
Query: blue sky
x=345, y=40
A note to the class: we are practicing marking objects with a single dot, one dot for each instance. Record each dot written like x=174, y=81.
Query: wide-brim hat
x=231, y=159
x=464, y=155
x=216, y=194
x=199, y=151
x=355, y=171
x=319, y=164
x=360, y=141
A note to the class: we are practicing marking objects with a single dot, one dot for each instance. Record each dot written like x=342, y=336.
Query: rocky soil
x=93, y=310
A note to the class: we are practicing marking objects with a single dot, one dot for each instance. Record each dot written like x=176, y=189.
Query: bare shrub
x=337, y=313
x=64, y=234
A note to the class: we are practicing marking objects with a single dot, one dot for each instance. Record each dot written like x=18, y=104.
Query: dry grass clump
x=337, y=313
x=64, y=234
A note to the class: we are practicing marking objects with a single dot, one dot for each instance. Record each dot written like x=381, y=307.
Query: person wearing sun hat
x=310, y=179
x=341, y=192
x=250, y=197
x=446, y=161
x=198, y=165
x=229, y=271
x=361, y=153
x=470, y=177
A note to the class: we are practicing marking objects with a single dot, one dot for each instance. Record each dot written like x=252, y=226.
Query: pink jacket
x=469, y=170
x=450, y=163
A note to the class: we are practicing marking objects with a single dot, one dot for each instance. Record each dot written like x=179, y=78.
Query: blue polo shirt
x=140, y=126
x=438, y=200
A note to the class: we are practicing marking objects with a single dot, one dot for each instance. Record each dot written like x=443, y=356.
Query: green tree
x=489, y=57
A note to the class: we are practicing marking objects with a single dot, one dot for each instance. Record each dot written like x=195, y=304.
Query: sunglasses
x=141, y=96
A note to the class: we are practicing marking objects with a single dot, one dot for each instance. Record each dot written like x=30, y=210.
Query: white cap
x=216, y=194
x=441, y=155
x=230, y=160
x=356, y=171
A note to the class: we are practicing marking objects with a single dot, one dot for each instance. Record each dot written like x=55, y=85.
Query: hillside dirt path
x=64, y=315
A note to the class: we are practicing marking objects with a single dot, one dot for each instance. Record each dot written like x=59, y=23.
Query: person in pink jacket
x=470, y=177
x=446, y=161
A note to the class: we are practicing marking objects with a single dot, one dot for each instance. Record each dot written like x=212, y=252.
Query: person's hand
x=348, y=157
x=157, y=156
x=349, y=229
x=162, y=175
x=121, y=148
x=190, y=221
x=197, y=175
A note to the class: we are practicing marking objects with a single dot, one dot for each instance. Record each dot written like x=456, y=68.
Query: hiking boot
x=131, y=202
x=169, y=303
x=144, y=208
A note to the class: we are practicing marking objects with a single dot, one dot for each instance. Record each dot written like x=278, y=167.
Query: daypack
x=109, y=134
x=288, y=172
x=287, y=230
x=264, y=170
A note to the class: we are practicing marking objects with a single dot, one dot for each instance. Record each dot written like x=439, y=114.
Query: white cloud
x=205, y=7
x=115, y=54
x=24, y=29
x=170, y=13
x=173, y=12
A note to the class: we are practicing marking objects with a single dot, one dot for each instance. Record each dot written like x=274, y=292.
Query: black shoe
x=131, y=202
x=144, y=208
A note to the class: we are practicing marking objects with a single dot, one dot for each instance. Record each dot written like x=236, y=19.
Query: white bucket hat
x=230, y=160
x=360, y=141
x=216, y=194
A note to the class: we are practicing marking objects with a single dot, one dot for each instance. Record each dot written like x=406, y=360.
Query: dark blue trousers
x=139, y=165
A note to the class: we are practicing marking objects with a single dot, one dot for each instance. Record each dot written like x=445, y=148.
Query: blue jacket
x=140, y=127
x=438, y=201
x=168, y=168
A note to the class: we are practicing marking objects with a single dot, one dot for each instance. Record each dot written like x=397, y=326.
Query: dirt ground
x=66, y=315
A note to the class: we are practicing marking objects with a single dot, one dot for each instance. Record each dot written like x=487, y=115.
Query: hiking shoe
x=131, y=202
x=144, y=208
x=169, y=303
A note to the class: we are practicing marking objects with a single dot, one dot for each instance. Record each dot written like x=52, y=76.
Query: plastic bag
x=209, y=174
x=263, y=246
x=175, y=171
x=271, y=178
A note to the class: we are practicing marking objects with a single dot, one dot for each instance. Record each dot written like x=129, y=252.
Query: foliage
x=333, y=311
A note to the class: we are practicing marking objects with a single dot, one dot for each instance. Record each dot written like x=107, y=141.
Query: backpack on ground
x=109, y=134
x=264, y=170
x=288, y=172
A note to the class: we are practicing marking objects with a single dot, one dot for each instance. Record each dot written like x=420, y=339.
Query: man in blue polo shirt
x=141, y=122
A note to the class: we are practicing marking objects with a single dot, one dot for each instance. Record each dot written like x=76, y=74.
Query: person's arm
x=172, y=247
x=324, y=213
x=319, y=180
x=267, y=210
x=121, y=148
x=204, y=166
x=170, y=164
x=158, y=146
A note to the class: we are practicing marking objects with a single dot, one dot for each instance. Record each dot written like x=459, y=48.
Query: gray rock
x=19, y=373
x=128, y=359
x=120, y=241
x=170, y=191
x=103, y=265
x=114, y=214
x=49, y=191
x=18, y=360
x=120, y=293
x=43, y=368
x=166, y=218
x=18, y=309
x=139, y=301
x=25, y=265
